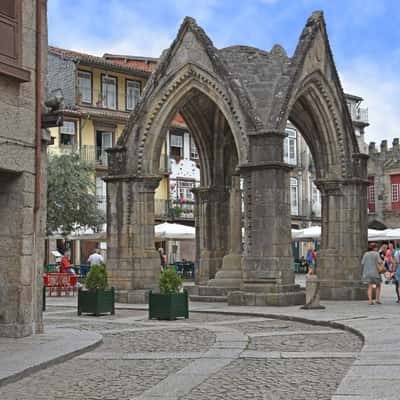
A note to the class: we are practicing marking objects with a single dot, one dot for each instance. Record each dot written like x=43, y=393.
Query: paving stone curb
x=90, y=341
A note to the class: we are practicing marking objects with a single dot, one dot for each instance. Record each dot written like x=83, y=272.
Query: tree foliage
x=71, y=195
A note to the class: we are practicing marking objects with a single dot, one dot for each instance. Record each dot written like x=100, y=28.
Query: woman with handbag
x=372, y=265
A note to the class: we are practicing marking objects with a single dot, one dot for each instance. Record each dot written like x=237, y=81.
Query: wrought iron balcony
x=173, y=209
x=94, y=154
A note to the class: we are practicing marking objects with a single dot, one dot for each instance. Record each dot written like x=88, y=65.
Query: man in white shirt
x=95, y=258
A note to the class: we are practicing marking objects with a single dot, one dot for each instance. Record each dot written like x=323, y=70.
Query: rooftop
x=91, y=60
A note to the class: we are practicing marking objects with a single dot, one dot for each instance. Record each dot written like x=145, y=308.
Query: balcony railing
x=95, y=155
x=173, y=209
x=359, y=114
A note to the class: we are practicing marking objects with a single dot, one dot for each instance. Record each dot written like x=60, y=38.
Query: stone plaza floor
x=222, y=352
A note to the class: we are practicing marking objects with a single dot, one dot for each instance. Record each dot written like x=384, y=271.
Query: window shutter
x=9, y=30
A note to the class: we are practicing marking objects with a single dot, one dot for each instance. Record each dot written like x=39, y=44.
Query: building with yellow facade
x=99, y=93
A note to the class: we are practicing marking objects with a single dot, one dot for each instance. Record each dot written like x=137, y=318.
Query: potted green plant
x=171, y=302
x=97, y=298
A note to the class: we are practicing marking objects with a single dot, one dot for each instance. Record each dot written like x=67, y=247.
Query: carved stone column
x=344, y=238
x=211, y=230
x=132, y=261
x=268, y=277
x=230, y=275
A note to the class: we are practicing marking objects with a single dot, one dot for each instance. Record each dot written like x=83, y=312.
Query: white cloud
x=119, y=30
x=379, y=86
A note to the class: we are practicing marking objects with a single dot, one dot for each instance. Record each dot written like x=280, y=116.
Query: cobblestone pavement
x=260, y=379
x=209, y=356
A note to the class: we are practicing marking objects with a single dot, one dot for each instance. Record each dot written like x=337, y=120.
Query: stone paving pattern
x=274, y=380
x=343, y=342
x=112, y=374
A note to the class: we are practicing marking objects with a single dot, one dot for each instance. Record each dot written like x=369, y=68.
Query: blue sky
x=364, y=36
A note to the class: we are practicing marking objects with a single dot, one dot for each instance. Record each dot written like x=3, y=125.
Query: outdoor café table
x=60, y=281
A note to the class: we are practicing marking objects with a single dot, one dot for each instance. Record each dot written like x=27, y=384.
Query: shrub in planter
x=170, y=303
x=97, y=298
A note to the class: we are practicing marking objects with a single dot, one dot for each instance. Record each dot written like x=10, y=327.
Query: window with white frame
x=67, y=133
x=85, y=86
x=109, y=91
x=315, y=200
x=132, y=94
x=176, y=145
x=184, y=188
x=290, y=147
x=294, y=196
x=395, y=192
x=194, y=155
x=371, y=193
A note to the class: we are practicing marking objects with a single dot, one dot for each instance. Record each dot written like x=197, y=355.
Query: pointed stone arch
x=246, y=95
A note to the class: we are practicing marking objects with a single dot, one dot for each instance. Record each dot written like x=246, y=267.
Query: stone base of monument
x=132, y=296
x=226, y=280
x=343, y=290
x=267, y=295
x=313, y=286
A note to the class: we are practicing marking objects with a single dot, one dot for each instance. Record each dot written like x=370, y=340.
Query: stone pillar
x=268, y=277
x=132, y=260
x=344, y=238
x=230, y=275
x=211, y=230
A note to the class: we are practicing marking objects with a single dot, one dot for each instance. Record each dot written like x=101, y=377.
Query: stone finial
x=384, y=146
x=371, y=147
x=396, y=145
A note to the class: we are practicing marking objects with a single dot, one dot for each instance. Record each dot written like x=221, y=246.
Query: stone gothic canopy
x=236, y=102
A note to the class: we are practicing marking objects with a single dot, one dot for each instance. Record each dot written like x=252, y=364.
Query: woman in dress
x=370, y=273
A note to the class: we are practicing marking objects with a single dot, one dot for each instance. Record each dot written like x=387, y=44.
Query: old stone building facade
x=383, y=185
x=22, y=166
x=236, y=102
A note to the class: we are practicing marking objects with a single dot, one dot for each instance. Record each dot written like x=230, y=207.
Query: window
x=194, y=155
x=315, y=200
x=176, y=145
x=67, y=133
x=371, y=194
x=184, y=188
x=395, y=184
x=294, y=200
x=101, y=193
x=109, y=91
x=395, y=192
x=85, y=86
x=10, y=43
x=103, y=142
x=290, y=147
x=132, y=94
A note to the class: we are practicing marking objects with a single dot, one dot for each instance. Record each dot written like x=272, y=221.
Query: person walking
x=370, y=273
x=96, y=258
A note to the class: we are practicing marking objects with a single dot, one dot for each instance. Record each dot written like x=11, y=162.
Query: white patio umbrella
x=314, y=232
x=168, y=231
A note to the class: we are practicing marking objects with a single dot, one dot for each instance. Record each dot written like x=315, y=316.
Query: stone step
x=209, y=299
x=215, y=291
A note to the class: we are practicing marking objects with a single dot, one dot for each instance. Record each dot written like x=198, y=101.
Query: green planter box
x=168, y=306
x=99, y=301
